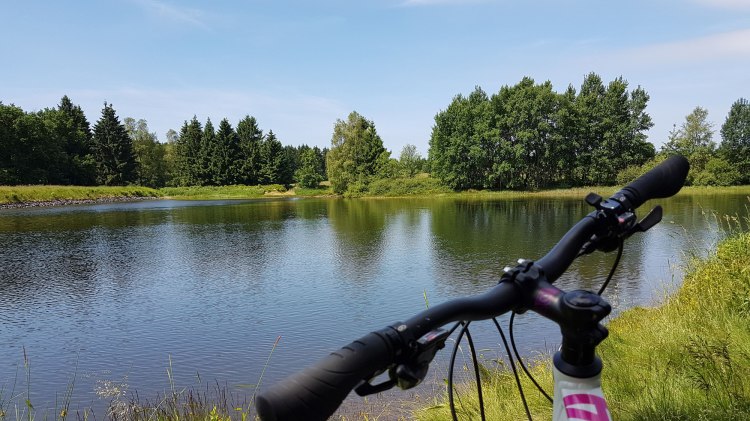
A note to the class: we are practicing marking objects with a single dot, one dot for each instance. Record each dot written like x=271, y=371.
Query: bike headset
x=405, y=349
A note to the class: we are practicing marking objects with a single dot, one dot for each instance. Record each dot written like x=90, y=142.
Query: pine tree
x=113, y=150
x=206, y=152
x=250, y=138
x=272, y=159
x=225, y=159
x=78, y=145
x=735, y=134
x=188, y=154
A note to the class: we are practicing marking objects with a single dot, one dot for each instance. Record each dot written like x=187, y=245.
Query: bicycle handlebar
x=316, y=392
x=664, y=180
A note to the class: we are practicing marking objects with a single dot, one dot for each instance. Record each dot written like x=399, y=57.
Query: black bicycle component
x=664, y=180
x=648, y=221
x=315, y=393
x=410, y=373
x=413, y=370
x=581, y=313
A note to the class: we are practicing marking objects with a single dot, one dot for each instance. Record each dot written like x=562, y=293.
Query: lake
x=118, y=295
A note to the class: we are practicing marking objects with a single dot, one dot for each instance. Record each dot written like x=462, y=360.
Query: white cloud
x=728, y=45
x=191, y=16
x=726, y=4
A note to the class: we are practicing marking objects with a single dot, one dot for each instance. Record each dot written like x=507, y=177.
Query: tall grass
x=688, y=359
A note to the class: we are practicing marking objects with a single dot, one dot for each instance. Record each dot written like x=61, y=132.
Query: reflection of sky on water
x=121, y=288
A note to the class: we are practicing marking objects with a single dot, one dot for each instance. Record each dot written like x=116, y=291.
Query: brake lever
x=411, y=372
x=648, y=221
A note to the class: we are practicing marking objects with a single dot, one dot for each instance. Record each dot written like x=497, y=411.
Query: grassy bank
x=392, y=188
x=222, y=192
x=27, y=194
x=688, y=359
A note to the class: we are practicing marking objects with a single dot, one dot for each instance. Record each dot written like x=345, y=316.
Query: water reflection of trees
x=476, y=239
x=358, y=226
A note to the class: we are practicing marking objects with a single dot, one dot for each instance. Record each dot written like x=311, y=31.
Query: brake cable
x=472, y=350
x=615, y=264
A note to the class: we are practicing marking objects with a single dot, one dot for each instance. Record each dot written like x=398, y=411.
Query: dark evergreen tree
x=205, y=155
x=188, y=171
x=272, y=159
x=735, y=134
x=113, y=150
x=225, y=163
x=75, y=131
x=250, y=139
x=291, y=162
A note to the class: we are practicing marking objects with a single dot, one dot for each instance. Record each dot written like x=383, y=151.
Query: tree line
x=58, y=146
x=525, y=136
x=229, y=156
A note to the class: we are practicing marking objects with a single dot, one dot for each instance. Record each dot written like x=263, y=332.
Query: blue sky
x=297, y=66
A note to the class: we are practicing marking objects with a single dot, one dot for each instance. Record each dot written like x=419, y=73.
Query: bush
x=634, y=171
x=718, y=172
x=407, y=187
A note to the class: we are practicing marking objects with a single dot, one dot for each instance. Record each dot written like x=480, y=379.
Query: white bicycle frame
x=578, y=399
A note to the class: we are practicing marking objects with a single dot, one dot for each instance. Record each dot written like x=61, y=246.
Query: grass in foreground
x=688, y=359
x=25, y=194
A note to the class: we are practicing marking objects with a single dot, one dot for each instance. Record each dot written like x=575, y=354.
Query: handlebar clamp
x=526, y=276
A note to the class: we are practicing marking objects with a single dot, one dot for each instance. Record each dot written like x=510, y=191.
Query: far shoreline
x=21, y=197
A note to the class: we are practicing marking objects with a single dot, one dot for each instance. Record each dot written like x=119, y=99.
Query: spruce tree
x=188, y=154
x=208, y=140
x=735, y=134
x=250, y=138
x=76, y=132
x=225, y=160
x=113, y=150
x=272, y=154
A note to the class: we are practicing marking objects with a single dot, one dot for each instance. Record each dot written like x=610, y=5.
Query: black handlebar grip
x=664, y=180
x=316, y=392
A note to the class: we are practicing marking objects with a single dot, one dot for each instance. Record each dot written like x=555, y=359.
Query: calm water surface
x=118, y=290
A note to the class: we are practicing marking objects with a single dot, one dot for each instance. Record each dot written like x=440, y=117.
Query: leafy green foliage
x=717, y=172
x=310, y=173
x=356, y=156
x=149, y=154
x=410, y=162
x=52, y=146
x=407, y=186
x=529, y=137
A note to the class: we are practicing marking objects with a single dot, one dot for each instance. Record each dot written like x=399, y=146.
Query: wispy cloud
x=734, y=44
x=164, y=10
x=416, y=3
x=726, y=4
